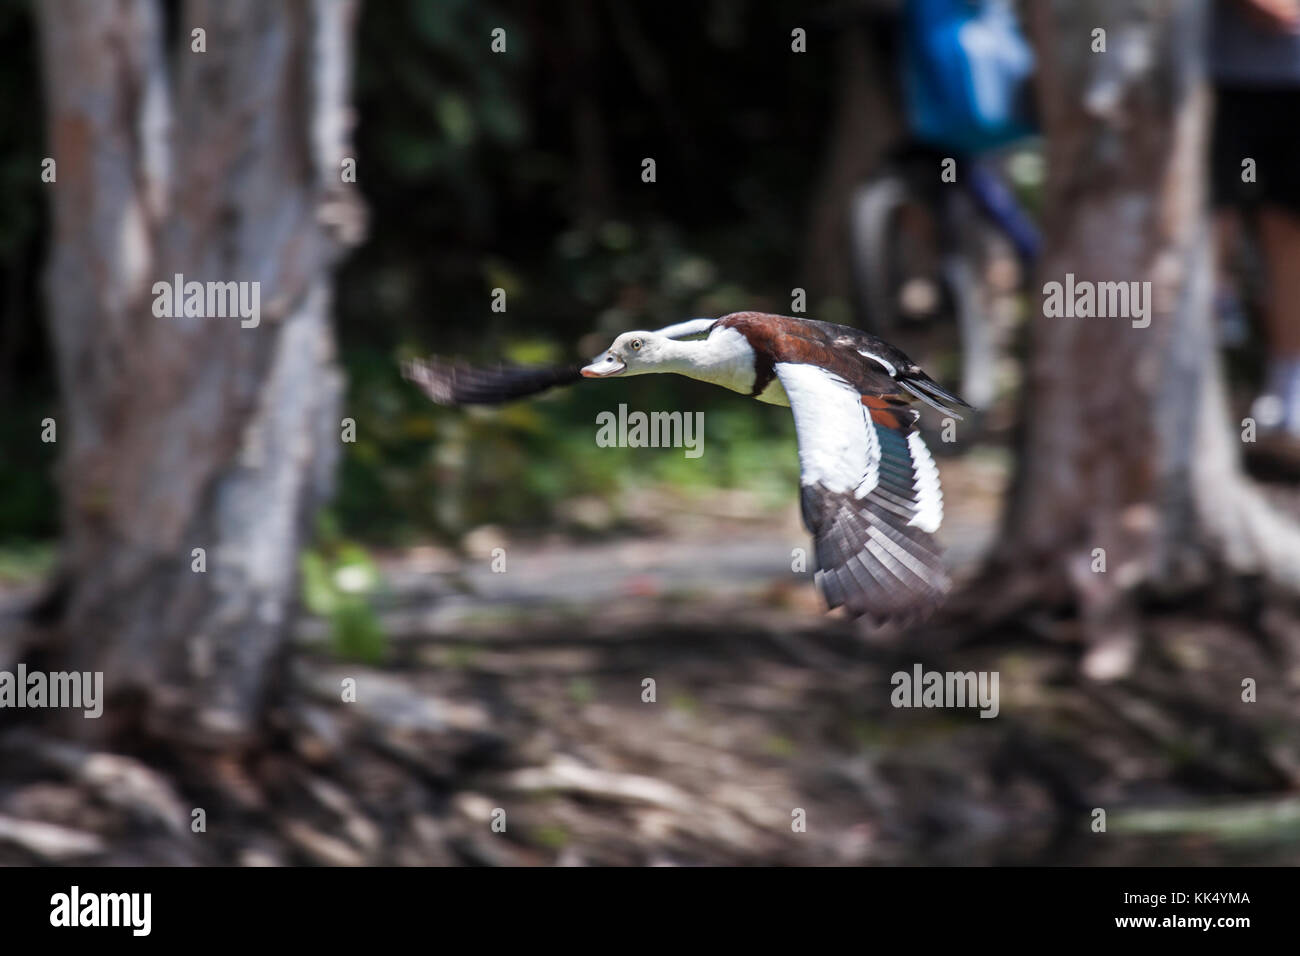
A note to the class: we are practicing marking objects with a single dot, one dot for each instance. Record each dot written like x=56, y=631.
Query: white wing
x=870, y=495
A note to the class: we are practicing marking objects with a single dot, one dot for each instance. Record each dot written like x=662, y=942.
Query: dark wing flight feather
x=870, y=495
x=453, y=383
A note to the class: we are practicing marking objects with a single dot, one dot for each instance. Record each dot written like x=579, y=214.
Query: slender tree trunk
x=866, y=124
x=184, y=433
x=1126, y=443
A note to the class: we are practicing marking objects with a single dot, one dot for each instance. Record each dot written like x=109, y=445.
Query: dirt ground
x=512, y=724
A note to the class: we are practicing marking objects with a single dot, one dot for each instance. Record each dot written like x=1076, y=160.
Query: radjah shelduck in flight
x=869, y=488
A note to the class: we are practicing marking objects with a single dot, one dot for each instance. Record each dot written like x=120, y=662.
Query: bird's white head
x=632, y=353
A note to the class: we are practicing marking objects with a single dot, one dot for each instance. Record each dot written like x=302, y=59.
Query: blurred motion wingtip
x=453, y=383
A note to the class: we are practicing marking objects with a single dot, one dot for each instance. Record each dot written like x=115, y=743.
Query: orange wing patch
x=882, y=413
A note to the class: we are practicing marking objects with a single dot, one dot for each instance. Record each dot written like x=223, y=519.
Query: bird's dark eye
x=636, y=345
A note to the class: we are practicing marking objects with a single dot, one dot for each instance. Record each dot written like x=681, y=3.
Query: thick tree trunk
x=185, y=433
x=1126, y=442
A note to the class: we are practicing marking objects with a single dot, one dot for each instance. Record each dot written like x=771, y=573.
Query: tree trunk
x=866, y=124
x=1126, y=444
x=186, y=433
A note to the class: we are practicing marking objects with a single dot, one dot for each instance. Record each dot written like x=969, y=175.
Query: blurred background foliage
x=523, y=172
x=28, y=503
x=520, y=172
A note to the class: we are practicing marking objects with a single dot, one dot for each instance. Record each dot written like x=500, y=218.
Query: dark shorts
x=1263, y=124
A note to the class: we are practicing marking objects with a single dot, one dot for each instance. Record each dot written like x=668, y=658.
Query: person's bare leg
x=1280, y=237
x=1279, y=234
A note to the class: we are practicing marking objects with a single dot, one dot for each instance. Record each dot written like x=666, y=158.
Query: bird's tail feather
x=932, y=393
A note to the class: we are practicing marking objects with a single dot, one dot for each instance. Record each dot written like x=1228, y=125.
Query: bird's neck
x=725, y=358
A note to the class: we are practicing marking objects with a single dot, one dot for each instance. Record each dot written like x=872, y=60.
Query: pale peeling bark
x=1126, y=440
x=184, y=433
